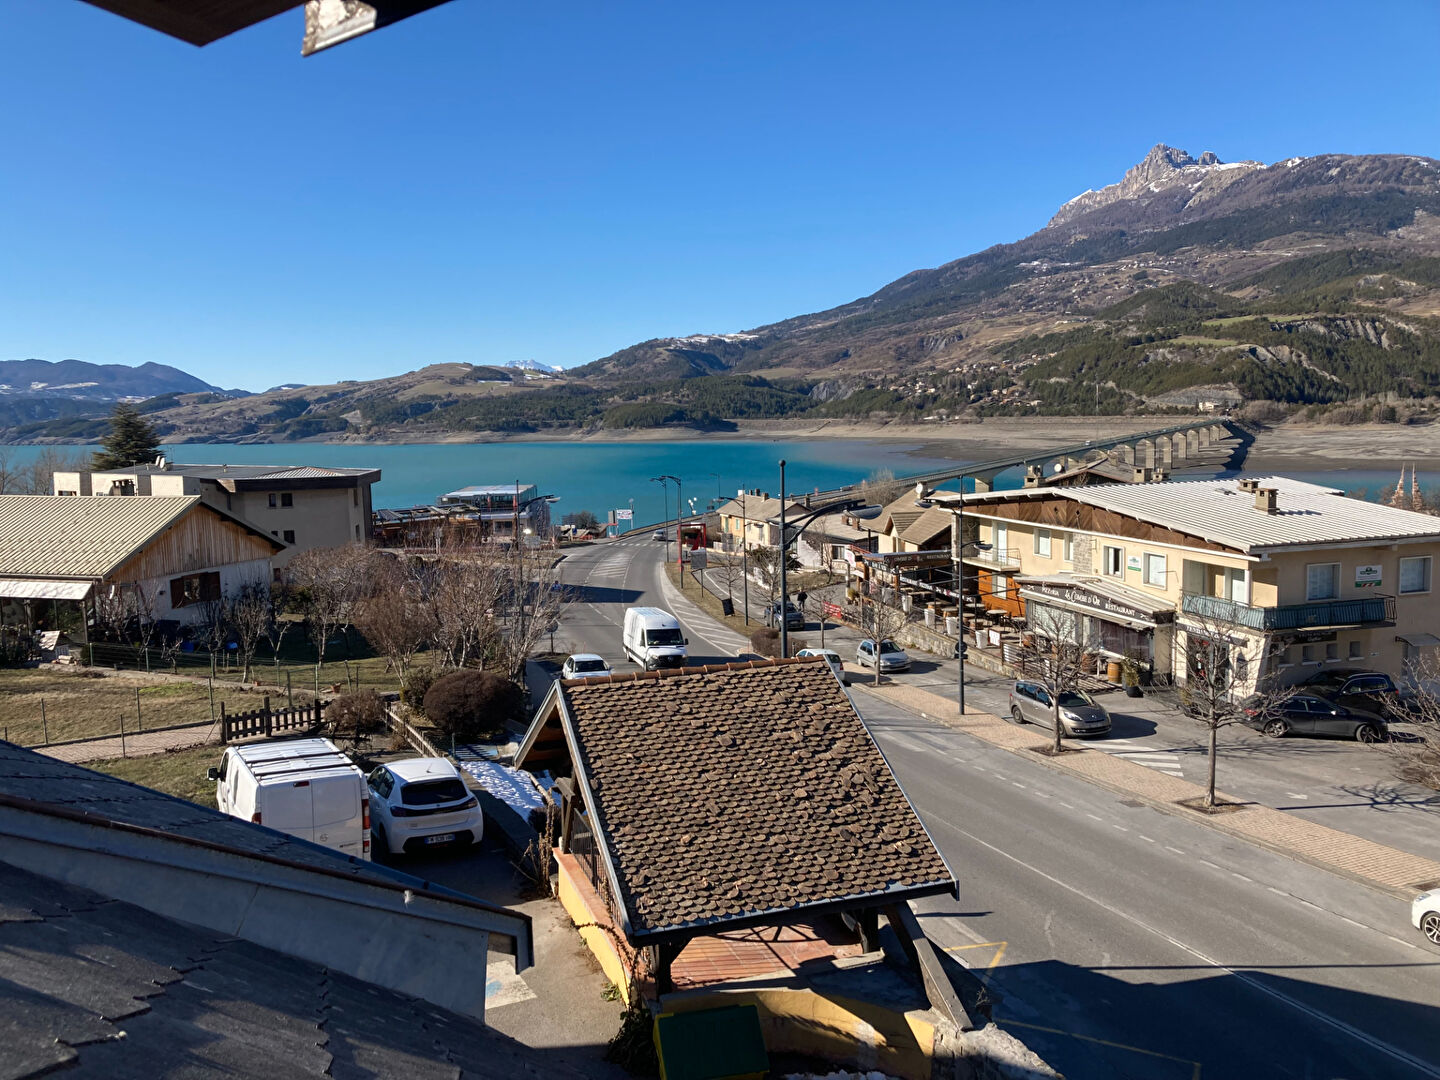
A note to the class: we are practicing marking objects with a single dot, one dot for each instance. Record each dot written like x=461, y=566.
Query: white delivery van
x=653, y=638
x=304, y=787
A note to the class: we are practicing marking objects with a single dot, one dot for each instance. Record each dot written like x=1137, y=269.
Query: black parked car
x=794, y=617
x=1310, y=714
x=1373, y=691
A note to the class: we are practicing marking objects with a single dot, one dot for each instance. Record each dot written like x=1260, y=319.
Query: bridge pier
x=1145, y=453
x=1166, y=457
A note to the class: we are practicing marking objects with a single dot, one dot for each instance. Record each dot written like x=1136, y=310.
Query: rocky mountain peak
x=1162, y=168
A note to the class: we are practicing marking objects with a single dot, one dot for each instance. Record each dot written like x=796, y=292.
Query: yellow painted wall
x=576, y=898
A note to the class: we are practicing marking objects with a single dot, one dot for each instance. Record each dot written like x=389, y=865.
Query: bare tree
x=536, y=599
x=1417, y=751
x=393, y=615
x=1226, y=681
x=35, y=476
x=327, y=582
x=725, y=571
x=884, y=622
x=1062, y=647
x=881, y=487
x=248, y=615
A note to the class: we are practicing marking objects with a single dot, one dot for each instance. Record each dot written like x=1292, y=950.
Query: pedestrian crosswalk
x=612, y=567
x=1165, y=761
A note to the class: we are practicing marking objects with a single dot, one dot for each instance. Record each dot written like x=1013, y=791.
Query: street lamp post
x=679, y=498
x=784, y=558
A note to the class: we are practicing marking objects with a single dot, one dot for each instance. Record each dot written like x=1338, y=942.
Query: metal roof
x=237, y=472
x=1222, y=512
x=55, y=536
x=23, y=589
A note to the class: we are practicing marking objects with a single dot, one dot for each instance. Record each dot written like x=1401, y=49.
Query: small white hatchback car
x=1425, y=915
x=583, y=665
x=422, y=804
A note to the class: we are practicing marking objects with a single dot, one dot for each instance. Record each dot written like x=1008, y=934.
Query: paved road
x=1118, y=941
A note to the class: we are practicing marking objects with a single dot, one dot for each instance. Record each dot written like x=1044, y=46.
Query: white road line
x=1176, y=850
x=1244, y=976
x=1141, y=835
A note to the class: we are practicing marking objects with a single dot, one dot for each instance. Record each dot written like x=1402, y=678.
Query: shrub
x=469, y=704
x=765, y=640
x=417, y=684
x=361, y=713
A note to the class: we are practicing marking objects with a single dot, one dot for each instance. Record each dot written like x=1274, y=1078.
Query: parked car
x=584, y=665
x=303, y=787
x=1311, y=714
x=1373, y=691
x=887, y=656
x=658, y=534
x=421, y=804
x=1080, y=714
x=833, y=659
x=794, y=617
x=1425, y=915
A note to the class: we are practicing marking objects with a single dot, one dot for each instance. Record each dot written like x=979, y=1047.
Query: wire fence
x=293, y=671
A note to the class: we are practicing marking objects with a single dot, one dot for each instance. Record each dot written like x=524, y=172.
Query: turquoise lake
x=600, y=477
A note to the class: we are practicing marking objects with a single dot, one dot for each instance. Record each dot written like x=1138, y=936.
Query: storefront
x=1116, y=620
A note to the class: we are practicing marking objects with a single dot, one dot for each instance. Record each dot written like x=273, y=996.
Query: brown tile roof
x=726, y=792
x=928, y=526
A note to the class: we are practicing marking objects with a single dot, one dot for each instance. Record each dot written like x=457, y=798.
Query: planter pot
x=952, y=625
x=1133, y=691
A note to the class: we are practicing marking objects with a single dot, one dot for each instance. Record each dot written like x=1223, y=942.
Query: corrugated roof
x=55, y=536
x=730, y=794
x=1222, y=512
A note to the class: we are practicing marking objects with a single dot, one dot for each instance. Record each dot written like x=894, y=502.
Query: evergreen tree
x=132, y=440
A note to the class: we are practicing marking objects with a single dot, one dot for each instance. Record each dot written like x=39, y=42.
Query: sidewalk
x=1388, y=869
x=141, y=744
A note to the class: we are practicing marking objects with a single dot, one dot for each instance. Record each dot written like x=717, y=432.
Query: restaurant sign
x=1368, y=575
x=1096, y=601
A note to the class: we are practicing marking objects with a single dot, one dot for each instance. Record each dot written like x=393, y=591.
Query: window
x=1322, y=581
x=1155, y=570
x=354, y=496
x=1114, y=561
x=1332, y=651
x=1287, y=656
x=1355, y=653
x=1042, y=543
x=1234, y=586
x=273, y=500
x=1000, y=586
x=194, y=589
x=289, y=536
x=1307, y=654
x=1068, y=548
x=1415, y=574
x=75, y=493
x=287, y=499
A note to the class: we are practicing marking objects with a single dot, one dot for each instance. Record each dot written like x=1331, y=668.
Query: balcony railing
x=1002, y=557
x=1366, y=609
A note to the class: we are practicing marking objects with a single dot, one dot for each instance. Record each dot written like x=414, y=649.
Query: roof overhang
x=1101, y=600
x=37, y=589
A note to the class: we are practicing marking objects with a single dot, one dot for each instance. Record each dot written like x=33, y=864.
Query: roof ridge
x=697, y=669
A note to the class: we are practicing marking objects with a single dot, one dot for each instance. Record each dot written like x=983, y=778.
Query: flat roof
x=488, y=489
x=1224, y=513
x=238, y=472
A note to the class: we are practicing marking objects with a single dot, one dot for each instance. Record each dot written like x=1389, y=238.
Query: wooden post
x=212, y=689
x=139, y=719
x=267, y=716
x=224, y=725
x=665, y=957
x=868, y=921
x=289, y=693
x=147, y=659
x=122, y=734
x=44, y=724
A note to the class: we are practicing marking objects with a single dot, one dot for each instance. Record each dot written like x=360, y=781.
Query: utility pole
x=784, y=558
x=745, y=555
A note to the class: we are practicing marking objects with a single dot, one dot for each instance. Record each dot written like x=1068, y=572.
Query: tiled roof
x=754, y=508
x=114, y=991
x=929, y=525
x=724, y=793
x=1222, y=512
x=239, y=472
x=50, y=536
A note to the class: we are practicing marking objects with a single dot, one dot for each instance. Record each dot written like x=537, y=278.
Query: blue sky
x=484, y=183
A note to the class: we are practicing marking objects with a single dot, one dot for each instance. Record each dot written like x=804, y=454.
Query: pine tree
x=132, y=440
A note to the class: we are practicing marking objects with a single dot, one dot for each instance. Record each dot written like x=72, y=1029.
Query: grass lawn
x=180, y=772
x=78, y=707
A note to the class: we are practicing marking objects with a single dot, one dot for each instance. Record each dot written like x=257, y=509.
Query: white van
x=304, y=787
x=653, y=638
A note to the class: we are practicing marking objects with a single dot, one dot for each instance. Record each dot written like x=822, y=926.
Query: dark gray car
x=1310, y=714
x=1079, y=714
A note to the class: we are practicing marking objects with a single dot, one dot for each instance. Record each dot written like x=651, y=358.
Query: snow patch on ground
x=517, y=788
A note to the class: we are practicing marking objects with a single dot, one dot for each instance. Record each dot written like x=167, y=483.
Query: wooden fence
x=267, y=721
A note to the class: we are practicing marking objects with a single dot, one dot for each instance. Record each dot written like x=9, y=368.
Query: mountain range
x=1313, y=281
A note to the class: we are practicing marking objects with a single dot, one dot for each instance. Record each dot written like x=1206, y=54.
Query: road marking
x=1293, y=795
x=1097, y=817
x=1145, y=838
x=1159, y=759
x=1195, y=1065
x=1418, y=1064
x=1122, y=828
x=1176, y=850
x=998, y=946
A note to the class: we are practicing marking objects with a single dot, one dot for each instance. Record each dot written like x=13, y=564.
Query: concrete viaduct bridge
x=1195, y=444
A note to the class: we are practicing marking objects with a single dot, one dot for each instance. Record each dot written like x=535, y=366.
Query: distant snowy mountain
x=83, y=381
x=534, y=365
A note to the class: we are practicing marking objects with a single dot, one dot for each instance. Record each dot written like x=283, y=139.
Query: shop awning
x=1100, y=599
x=1419, y=639
x=30, y=589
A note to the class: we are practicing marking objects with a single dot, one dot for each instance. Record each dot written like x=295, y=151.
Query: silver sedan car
x=1079, y=714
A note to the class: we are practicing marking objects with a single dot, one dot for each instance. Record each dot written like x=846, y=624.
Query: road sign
x=697, y=559
x=624, y=515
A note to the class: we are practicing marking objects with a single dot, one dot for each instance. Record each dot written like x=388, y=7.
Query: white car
x=887, y=655
x=832, y=658
x=584, y=665
x=421, y=804
x=1425, y=915
x=658, y=534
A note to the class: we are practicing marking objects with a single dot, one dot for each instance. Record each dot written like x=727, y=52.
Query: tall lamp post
x=958, y=544
x=679, y=497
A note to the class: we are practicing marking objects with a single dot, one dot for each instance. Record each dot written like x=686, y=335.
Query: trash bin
x=727, y=605
x=1112, y=671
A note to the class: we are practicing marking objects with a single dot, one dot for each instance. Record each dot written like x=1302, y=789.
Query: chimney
x=1248, y=483
x=1160, y=476
x=1033, y=475
x=1143, y=475
x=1265, y=499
